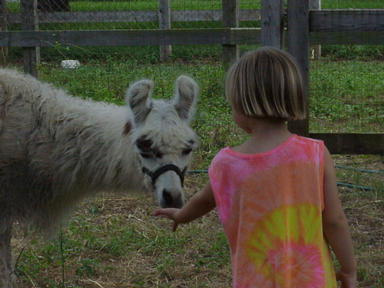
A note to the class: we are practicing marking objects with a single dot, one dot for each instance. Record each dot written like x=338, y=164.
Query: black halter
x=161, y=170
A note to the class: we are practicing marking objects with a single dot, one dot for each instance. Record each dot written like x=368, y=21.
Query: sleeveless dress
x=270, y=205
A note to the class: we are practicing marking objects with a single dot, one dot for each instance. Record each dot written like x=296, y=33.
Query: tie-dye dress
x=270, y=205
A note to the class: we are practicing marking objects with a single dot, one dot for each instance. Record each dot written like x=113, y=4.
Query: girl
x=276, y=193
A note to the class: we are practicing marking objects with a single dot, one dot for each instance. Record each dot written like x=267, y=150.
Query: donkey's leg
x=5, y=255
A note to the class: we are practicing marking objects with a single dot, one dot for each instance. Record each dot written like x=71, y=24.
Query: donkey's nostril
x=171, y=201
x=167, y=198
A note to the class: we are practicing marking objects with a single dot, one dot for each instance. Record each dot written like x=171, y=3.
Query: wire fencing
x=347, y=86
x=144, y=14
x=59, y=15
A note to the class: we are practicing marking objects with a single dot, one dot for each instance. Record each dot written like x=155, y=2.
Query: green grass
x=112, y=241
x=198, y=5
x=357, y=4
x=151, y=5
x=215, y=4
x=90, y=248
x=347, y=96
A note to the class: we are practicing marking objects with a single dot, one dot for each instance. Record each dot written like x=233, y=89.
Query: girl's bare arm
x=335, y=225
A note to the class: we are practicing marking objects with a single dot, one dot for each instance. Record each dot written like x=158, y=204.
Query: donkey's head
x=162, y=137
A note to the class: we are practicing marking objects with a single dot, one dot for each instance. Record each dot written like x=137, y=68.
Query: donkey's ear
x=138, y=99
x=186, y=96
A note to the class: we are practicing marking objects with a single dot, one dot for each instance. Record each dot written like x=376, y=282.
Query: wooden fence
x=296, y=28
x=133, y=16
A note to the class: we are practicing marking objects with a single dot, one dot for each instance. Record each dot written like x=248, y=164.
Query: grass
x=347, y=92
x=198, y=5
x=342, y=92
x=112, y=240
x=144, y=5
x=346, y=96
x=357, y=4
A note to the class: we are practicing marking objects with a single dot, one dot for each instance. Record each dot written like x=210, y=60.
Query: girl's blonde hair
x=266, y=83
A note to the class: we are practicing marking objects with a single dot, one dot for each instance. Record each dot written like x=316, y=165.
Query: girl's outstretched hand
x=170, y=213
x=200, y=204
x=347, y=280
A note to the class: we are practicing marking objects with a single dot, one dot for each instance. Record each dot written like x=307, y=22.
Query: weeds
x=124, y=246
x=112, y=241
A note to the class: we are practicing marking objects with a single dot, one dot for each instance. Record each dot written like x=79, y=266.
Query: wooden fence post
x=315, y=49
x=271, y=23
x=165, y=23
x=298, y=47
x=29, y=23
x=230, y=20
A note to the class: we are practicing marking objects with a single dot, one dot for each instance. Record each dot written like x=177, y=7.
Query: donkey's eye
x=186, y=151
x=144, y=144
x=157, y=153
x=146, y=155
x=147, y=149
x=151, y=154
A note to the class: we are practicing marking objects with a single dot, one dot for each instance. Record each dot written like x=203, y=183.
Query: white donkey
x=56, y=149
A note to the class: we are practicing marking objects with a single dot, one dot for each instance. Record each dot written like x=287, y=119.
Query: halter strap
x=161, y=170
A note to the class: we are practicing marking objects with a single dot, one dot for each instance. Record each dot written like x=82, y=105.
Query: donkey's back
x=43, y=135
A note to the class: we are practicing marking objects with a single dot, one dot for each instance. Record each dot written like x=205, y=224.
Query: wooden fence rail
x=326, y=27
x=347, y=20
x=364, y=27
x=229, y=36
x=225, y=36
x=320, y=20
x=352, y=143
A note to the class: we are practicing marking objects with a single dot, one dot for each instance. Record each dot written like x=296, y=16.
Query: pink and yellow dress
x=270, y=205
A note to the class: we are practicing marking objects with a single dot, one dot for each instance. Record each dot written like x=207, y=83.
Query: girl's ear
x=138, y=99
x=185, y=97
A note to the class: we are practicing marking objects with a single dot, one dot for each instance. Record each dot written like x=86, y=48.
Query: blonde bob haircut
x=266, y=83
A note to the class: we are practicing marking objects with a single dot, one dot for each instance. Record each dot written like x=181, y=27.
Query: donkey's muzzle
x=161, y=170
x=171, y=200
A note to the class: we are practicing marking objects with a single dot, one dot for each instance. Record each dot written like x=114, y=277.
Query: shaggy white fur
x=56, y=149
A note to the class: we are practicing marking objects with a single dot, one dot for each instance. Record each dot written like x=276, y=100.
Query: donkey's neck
x=100, y=156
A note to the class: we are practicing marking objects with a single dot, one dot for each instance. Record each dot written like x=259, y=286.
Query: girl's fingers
x=157, y=212
x=163, y=212
x=167, y=213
